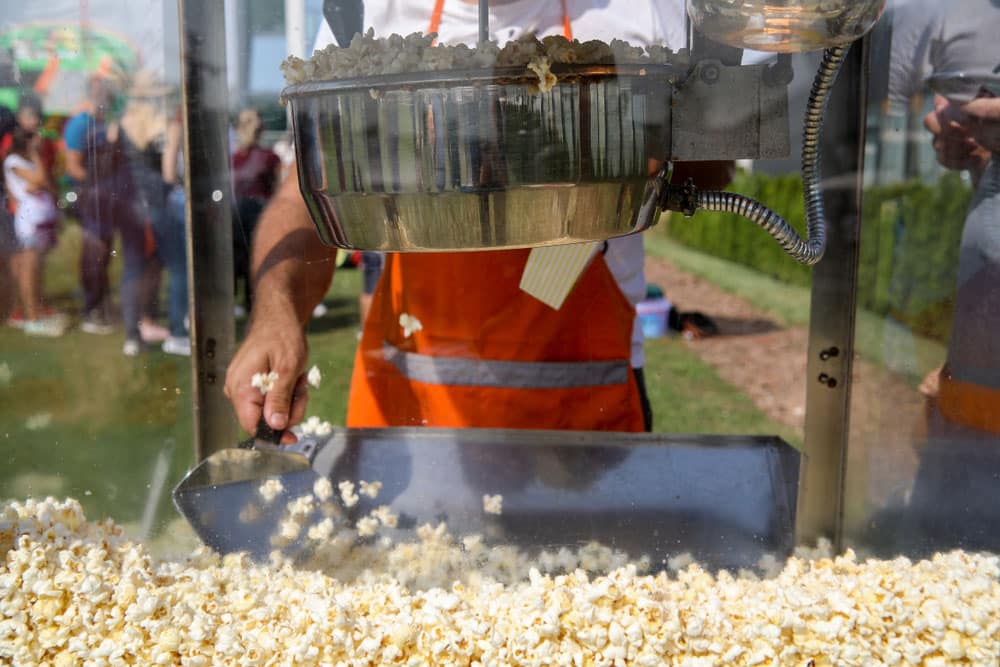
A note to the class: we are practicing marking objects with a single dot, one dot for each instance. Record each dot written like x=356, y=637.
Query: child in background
x=31, y=191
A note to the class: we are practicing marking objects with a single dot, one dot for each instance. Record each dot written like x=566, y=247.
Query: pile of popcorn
x=367, y=56
x=74, y=592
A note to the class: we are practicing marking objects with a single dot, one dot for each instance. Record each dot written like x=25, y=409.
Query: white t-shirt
x=33, y=208
x=639, y=22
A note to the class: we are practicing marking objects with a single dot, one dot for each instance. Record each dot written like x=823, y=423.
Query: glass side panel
x=924, y=456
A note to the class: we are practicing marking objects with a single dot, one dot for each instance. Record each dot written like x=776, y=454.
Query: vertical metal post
x=484, y=21
x=833, y=308
x=209, y=229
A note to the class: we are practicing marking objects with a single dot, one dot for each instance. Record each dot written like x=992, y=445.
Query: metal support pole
x=484, y=21
x=209, y=228
x=833, y=309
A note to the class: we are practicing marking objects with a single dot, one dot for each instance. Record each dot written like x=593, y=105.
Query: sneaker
x=151, y=332
x=16, y=320
x=45, y=327
x=95, y=323
x=131, y=348
x=179, y=345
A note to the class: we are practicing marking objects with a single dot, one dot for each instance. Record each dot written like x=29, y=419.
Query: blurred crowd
x=114, y=170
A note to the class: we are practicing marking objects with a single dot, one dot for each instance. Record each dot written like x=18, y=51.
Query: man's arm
x=292, y=270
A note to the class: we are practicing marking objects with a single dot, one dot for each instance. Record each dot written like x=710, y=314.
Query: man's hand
x=983, y=124
x=954, y=143
x=291, y=273
x=277, y=345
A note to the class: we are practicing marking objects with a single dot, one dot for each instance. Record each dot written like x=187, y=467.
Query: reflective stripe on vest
x=457, y=371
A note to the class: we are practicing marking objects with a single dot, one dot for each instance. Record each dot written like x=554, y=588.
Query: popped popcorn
x=493, y=504
x=385, y=516
x=367, y=526
x=270, y=489
x=367, y=55
x=370, y=489
x=264, y=381
x=74, y=591
x=313, y=377
x=347, y=494
x=323, y=489
x=410, y=325
x=316, y=426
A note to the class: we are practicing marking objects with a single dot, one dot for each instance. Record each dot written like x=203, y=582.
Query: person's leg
x=8, y=246
x=371, y=265
x=23, y=263
x=647, y=409
x=133, y=243
x=248, y=211
x=177, y=294
x=150, y=331
x=95, y=256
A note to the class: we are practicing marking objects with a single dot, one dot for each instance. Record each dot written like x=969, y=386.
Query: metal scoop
x=224, y=500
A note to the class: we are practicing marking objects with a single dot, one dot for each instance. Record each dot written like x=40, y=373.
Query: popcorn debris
x=367, y=55
x=270, y=489
x=410, y=325
x=323, y=489
x=347, y=493
x=385, y=516
x=370, y=489
x=316, y=426
x=493, y=504
x=367, y=526
x=322, y=531
x=313, y=377
x=264, y=381
x=80, y=592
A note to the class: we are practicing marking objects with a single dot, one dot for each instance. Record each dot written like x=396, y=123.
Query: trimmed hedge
x=910, y=236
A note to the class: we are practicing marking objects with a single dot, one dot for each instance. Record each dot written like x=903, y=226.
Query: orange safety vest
x=968, y=403
x=490, y=355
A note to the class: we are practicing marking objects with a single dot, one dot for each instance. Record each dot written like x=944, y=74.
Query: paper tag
x=551, y=272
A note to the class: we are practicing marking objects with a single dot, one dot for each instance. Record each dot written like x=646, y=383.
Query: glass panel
x=417, y=545
x=924, y=458
x=91, y=405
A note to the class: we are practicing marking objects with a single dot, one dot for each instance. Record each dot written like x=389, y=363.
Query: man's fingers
x=247, y=403
x=278, y=402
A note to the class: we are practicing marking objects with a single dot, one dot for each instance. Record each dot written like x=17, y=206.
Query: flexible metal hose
x=809, y=250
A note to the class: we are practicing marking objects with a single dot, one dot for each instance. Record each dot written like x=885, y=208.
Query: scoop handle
x=264, y=433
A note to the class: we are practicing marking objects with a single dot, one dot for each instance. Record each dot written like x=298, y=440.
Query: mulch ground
x=768, y=362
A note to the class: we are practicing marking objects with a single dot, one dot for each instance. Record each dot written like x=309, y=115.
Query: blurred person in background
x=32, y=192
x=144, y=129
x=96, y=161
x=256, y=174
x=171, y=235
x=8, y=243
x=952, y=47
x=28, y=117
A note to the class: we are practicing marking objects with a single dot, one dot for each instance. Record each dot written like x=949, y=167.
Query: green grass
x=877, y=338
x=79, y=419
x=787, y=304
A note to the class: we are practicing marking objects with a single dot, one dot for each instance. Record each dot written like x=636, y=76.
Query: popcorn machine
x=427, y=545
x=542, y=143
